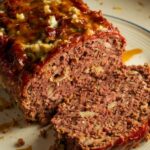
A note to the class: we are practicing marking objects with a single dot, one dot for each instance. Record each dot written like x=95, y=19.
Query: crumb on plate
x=43, y=133
x=5, y=127
x=5, y=104
x=20, y=142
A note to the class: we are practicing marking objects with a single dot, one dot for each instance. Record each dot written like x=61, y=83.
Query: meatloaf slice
x=110, y=112
x=46, y=44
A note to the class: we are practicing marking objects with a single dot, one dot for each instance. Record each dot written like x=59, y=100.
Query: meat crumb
x=43, y=133
x=141, y=4
x=20, y=142
x=5, y=104
x=5, y=127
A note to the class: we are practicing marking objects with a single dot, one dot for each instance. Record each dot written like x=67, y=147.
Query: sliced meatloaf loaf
x=110, y=112
x=46, y=44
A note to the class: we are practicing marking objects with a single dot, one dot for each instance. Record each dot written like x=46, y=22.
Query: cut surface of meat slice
x=111, y=111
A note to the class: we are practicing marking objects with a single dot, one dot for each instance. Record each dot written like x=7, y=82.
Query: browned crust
x=71, y=144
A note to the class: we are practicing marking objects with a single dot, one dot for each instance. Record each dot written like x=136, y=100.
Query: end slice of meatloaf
x=45, y=45
x=111, y=112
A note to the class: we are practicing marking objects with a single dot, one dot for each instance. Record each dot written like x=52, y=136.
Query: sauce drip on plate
x=127, y=55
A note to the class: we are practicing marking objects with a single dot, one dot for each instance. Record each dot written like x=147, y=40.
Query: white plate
x=136, y=36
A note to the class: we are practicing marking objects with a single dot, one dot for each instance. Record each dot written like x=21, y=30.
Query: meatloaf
x=111, y=112
x=46, y=44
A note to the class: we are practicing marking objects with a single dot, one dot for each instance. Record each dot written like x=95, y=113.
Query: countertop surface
x=135, y=11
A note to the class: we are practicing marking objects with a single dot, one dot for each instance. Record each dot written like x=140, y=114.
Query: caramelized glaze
x=38, y=26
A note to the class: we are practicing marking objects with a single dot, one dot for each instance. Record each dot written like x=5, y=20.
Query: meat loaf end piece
x=45, y=45
x=111, y=112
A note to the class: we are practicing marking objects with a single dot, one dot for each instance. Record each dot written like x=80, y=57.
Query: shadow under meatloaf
x=110, y=112
x=46, y=45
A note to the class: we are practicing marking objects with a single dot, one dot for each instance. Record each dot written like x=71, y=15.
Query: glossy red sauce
x=35, y=27
x=133, y=137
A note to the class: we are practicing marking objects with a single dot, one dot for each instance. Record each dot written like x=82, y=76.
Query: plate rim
x=130, y=22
